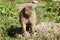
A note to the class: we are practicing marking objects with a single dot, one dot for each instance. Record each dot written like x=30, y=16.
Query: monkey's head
x=29, y=10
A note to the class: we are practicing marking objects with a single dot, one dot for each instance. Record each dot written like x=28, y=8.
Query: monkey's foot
x=26, y=34
x=20, y=35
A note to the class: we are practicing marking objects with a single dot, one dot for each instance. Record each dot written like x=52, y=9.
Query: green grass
x=9, y=15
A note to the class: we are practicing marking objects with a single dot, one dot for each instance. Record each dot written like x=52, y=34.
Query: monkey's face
x=29, y=10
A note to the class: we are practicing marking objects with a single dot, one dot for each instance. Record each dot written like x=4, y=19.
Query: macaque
x=27, y=19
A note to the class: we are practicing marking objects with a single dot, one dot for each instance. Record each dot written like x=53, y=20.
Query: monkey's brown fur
x=27, y=19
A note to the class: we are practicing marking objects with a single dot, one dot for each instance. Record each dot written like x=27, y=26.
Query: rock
x=48, y=30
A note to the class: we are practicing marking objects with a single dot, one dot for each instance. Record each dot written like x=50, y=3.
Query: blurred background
x=50, y=12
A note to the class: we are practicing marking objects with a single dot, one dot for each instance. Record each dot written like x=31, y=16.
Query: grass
x=9, y=15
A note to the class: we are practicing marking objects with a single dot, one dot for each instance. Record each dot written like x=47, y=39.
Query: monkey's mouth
x=28, y=12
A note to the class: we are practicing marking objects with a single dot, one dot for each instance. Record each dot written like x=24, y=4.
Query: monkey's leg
x=25, y=33
x=32, y=28
x=23, y=27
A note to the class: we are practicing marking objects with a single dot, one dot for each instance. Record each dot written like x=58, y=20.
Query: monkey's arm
x=23, y=24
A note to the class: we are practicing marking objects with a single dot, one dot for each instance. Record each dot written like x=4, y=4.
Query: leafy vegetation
x=9, y=15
